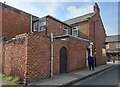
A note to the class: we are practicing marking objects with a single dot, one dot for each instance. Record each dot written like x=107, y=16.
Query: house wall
x=76, y=54
x=57, y=45
x=112, y=46
x=38, y=56
x=100, y=36
x=56, y=27
x=83, y=28
x=14, y=23
x=87, y=27
x=15, y=54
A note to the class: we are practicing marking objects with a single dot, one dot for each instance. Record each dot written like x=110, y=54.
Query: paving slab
x=65, y=79
x=51, y=82
x=73, y=76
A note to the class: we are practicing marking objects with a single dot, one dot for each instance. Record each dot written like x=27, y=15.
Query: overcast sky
x=64, y=9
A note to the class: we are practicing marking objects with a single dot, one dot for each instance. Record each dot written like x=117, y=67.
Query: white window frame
x=117, y=44
x=39, y=30
x=65, y=29
x=107, y=46
x=35, y=25
x=73, y=31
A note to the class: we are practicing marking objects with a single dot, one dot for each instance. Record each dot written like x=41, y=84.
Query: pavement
x=69, y=78
x=4, y=82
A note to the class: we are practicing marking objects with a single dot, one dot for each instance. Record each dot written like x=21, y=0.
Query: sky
x=66, y=9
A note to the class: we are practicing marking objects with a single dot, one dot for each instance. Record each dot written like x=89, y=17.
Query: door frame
x=65, y=60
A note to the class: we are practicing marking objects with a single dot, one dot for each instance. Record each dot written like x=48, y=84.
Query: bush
x=10, y=78
x=2, y=75
x=16, y=80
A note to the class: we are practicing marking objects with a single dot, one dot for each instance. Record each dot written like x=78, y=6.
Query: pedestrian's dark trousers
x=91, y=65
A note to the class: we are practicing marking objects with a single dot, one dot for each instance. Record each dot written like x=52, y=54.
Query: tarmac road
x=108, y=78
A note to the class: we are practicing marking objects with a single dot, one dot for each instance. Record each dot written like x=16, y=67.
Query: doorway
x=63, y=60
x=87, y=54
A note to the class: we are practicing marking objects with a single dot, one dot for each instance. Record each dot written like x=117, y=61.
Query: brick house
x=92, y=26
x=14, y=21
x=46, y=46
x=113, y=45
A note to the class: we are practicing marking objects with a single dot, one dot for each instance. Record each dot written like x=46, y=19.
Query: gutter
x=31, y=24
x=51, y=59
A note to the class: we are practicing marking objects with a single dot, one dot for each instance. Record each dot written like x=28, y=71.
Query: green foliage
x=10, y=78
x=16, y=80
x=2, y=75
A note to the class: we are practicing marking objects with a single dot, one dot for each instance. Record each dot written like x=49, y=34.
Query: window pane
x=75, y=32
x=117, y=44
x=35, y=26
x=42, y=26
x=107, y=46
x=65, y=31
x=42, y=23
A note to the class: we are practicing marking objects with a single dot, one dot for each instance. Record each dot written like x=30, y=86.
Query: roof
x=53, y=19
x=79, y=19
x=114, y=38
x=77, y=38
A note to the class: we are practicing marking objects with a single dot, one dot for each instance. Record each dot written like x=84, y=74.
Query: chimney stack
x=96, y=8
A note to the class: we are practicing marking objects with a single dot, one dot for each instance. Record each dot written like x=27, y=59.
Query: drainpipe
x=31, y=24
x=51, y=60
x=91, y=48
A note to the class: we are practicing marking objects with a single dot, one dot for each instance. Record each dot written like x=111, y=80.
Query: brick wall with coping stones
x=15, y=57
x=38, y=56
x=76, y=54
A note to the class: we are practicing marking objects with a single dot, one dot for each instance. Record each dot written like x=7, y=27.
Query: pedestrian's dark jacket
x=90, y=59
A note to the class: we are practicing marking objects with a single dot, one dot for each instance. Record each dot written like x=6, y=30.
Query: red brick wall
x=112, y=46
x=38, y=56
x=0, y=21
x=56, y=27
x=58, y=44
x=83, y=27
x=99, y=37
x=77, y=54
x=1, y=55
x=15, y=57
x=14, y=23
x=87, y=28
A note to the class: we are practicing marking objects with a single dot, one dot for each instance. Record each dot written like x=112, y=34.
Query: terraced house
x=36, y=48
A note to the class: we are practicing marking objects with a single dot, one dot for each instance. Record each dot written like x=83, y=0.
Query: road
x=107, y=78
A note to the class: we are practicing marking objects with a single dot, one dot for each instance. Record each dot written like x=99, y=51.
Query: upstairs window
x=42, y=25
x=65, y=31
x=117, y=44
x=107, y=46
x=35, y=26
x=75, y=31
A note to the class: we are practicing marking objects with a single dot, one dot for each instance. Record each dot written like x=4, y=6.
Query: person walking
x=91, y=62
